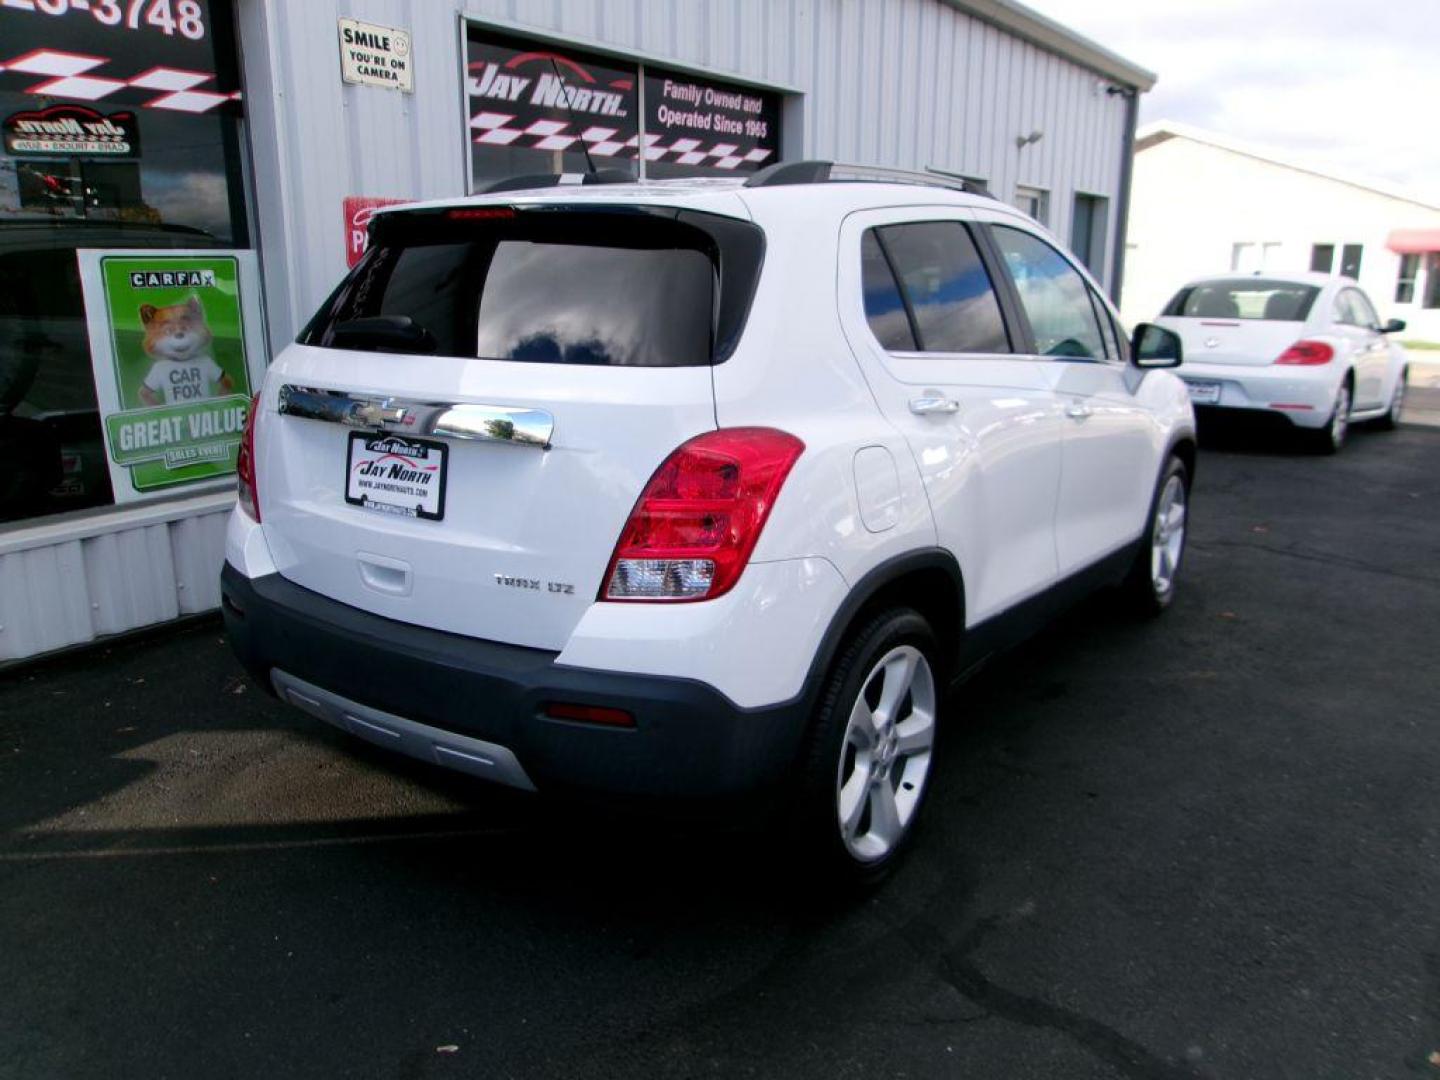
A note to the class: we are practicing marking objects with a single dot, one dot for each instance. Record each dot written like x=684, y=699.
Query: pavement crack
x=956, y=968
x=1317, y=557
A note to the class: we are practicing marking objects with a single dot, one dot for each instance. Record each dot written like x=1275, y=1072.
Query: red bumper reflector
x=589, y=714
x=1308, y=408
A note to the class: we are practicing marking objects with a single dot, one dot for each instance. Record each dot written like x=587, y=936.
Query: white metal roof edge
x=1158, y=131
x=1057, y=38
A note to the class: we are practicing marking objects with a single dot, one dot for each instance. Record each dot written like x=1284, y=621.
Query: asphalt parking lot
x=1207, y=846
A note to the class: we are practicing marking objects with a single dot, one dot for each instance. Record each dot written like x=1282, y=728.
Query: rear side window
x=1054, y=295
x=947, y=297
x=1353, y=309
x=884, y=307
x=629, y=288
x=1244, y=298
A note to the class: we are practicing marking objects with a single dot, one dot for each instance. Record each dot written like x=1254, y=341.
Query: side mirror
x=1153, y=346
x=1393, y=326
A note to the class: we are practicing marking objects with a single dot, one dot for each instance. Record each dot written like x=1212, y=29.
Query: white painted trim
x=135, y=516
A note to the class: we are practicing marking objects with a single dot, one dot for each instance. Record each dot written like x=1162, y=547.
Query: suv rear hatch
x=465, y=425
x=1239, y=321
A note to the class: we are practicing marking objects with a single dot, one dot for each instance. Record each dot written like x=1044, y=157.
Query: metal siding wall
x=72, y=591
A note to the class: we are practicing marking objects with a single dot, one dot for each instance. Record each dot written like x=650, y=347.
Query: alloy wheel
x=1167, y=536
x=885, y=756
x=1340, y=418
x=1397, y=399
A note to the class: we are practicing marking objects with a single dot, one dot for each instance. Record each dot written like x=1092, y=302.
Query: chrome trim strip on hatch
x=514, y=425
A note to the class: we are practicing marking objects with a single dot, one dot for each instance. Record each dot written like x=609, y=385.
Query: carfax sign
x=174, y=350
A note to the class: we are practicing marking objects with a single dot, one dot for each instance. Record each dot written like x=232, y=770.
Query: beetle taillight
x=1307, y=352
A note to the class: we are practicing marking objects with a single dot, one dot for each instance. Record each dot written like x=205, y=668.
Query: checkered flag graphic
x=73, y=75
x=503, y=129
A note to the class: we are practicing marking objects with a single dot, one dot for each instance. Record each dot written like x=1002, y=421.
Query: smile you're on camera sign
x=373, y=55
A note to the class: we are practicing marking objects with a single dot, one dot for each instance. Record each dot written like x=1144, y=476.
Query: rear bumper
x=1300, y=395
x=461, y=702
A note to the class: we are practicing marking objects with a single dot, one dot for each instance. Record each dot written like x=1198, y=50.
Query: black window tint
x=1054, y=295
x=578, y=304
x=562, y=287
x=950, y=292
x=884, y=309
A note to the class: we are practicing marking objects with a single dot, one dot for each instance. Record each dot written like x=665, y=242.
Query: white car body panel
x=750, y=644
x=522, y=513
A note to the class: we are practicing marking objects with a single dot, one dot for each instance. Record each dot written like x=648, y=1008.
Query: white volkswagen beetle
x=1305, y=347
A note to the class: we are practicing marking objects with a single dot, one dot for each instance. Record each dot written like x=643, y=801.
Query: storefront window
x=120, y=130
x=700, y=127
x=537, y=108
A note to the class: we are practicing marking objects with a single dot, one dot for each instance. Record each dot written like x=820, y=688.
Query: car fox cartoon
x=177, y=339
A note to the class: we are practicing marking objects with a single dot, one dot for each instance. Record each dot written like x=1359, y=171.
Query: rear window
x=1244, y=298
x=624, y=288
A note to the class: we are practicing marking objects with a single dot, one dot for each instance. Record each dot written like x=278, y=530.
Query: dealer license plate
x=395, y=475
x=1204, y=393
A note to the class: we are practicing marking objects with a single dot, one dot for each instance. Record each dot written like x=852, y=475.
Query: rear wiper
x=385, y=333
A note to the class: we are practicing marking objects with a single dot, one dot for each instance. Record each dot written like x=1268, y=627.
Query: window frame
x=1042, y=202
x=1359, y=250
x=1407, y=284
x=1430, y=294
x=1092, y=288
x=988, y=260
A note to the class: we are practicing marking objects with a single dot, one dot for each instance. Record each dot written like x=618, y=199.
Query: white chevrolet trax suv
x=697, y=488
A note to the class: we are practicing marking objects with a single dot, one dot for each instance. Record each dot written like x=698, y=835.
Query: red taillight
x=698, y=518
x=1307, y=352
x=249, y=493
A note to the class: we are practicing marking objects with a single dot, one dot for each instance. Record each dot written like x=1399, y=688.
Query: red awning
x=1413, y=241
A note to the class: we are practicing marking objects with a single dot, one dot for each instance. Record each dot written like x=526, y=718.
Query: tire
x=1330, y=438
x=1391, y=420
x=868, y=753
x=1150, y=584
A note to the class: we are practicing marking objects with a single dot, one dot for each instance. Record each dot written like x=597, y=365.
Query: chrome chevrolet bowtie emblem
x=374, y=414
x=1212, y=343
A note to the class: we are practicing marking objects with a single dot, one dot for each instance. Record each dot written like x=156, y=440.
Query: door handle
x=933, y=403
x=1078, y=410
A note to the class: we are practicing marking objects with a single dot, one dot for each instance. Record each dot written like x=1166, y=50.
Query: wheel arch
x=928, y=580
x=1187, y=450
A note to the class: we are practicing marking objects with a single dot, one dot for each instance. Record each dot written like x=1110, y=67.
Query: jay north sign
x=72, y=130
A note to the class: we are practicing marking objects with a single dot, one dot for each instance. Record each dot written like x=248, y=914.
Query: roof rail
x=544, y=180
x=821, y=172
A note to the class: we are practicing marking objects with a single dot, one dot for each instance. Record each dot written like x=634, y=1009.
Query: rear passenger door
x=923, y=316
x=1110, y=455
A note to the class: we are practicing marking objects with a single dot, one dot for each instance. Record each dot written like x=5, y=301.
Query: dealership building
x=182, y=182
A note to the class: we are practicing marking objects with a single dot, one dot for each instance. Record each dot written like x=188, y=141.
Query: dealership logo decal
x=72, y=129
x=503, y=82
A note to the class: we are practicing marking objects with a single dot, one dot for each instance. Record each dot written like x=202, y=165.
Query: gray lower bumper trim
x=474, y=756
